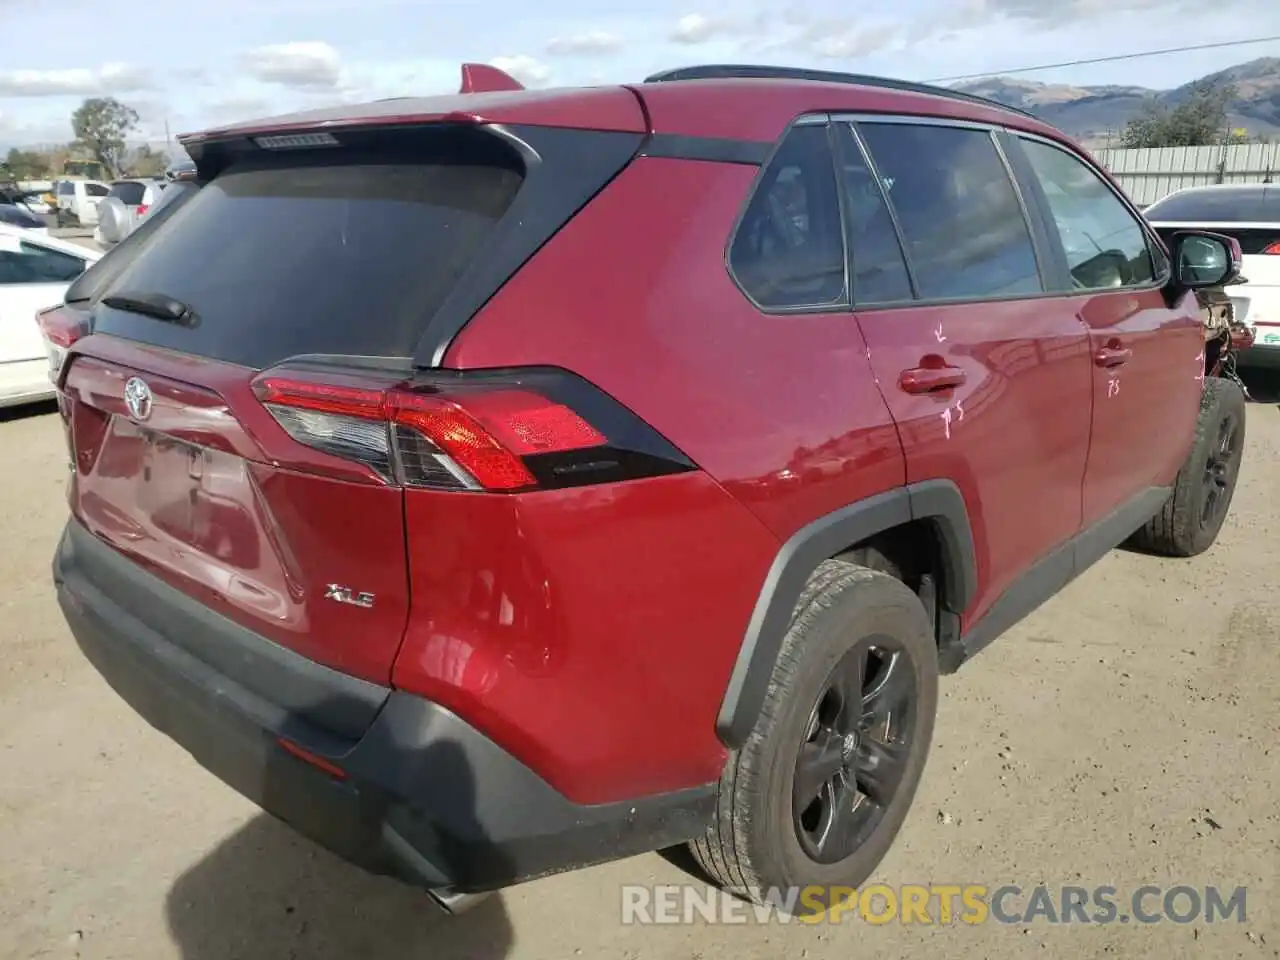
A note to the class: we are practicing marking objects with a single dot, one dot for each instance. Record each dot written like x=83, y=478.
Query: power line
x=1113, y=59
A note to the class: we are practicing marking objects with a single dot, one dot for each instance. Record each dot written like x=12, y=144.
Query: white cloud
x=110, y=78
x=303, y=64
x=528, y=70
x=585, y=44
x=856, y=42
x=695, y=28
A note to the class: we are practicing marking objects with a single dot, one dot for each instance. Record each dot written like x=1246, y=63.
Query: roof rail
x=729, y=71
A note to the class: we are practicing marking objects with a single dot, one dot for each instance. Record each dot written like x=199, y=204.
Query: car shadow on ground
x=28, y=411
x=268, y=893
x=1263, y=385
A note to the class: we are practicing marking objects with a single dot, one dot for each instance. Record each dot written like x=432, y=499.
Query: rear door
x=180, y=465
x=986, y=375
x=32, y=276
x=87, y=202
x=1147, y=355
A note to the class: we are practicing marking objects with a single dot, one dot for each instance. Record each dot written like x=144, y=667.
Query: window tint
x=1105, y=244
x=96, y=190
x=963, y=226
x=789, y=248
x=32, y=263
x=879, y=269
x=128, y=192
x=66, y=188
x=314, y=255
x=1251, y=204
x=95, y=280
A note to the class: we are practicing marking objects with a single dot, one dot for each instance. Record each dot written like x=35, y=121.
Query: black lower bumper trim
x=425, y=796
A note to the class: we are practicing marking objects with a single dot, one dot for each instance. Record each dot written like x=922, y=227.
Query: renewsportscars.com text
x=937, y=904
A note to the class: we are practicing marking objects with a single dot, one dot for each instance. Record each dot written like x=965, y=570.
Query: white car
x=35, y=272
x=1250, y=213
x=78, y=201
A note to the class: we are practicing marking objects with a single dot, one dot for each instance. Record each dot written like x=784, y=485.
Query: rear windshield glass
x=329, y=257
x=1252, y=205
x=130, y=194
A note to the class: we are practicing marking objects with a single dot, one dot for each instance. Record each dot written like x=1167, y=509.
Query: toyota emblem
x=137, y=397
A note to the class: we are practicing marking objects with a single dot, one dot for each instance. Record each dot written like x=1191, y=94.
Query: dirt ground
x=1125, y=734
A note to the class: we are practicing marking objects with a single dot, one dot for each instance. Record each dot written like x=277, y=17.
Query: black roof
x=730, y=71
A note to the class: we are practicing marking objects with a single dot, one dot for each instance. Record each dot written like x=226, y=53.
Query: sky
x=191, y=66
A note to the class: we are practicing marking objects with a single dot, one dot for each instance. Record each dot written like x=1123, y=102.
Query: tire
x=1188, y=523
x=758, y=841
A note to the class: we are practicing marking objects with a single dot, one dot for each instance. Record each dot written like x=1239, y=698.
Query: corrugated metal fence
x=1150, y=173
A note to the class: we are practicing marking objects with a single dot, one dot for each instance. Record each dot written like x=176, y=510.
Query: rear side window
x=33, y=263
x=962, y=223
x=96, y=190
x=130, y=194
x=1104, y=243
x=66, y=188
x=316, y=255
x=879, y=269
x=788, y=251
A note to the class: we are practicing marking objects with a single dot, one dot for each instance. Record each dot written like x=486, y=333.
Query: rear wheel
x=1189, y=522
x=819, y=791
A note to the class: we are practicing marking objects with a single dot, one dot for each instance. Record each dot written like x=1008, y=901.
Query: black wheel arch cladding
x=938, y=502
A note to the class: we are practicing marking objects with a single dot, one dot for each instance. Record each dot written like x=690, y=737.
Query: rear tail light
x=142, y=209
x=1273, y=249
x=60, y=328
x=523, y=430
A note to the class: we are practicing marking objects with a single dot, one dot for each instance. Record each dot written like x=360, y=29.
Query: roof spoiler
x=482, y=78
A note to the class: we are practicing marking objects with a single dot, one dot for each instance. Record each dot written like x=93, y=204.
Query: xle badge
x=347, y=595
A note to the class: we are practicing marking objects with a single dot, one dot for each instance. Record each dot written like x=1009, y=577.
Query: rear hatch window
x=1250, y=214
x=312, y=253
x=130, y=194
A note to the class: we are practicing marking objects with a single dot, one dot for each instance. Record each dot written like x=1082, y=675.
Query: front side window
x=33, y=263
x=1104, y=243
x=788, y=251
x=963, y=226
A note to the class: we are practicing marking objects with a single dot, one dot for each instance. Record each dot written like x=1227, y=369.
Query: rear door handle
x=1113, y=356
x=931, y=379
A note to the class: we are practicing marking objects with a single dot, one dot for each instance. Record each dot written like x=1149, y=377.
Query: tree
x=101, y=125
x=26, y=164
x=146, y=162
x=1199, y=120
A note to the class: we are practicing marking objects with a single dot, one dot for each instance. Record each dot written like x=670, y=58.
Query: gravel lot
x=1126, y=734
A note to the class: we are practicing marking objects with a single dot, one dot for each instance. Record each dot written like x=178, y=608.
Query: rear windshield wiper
x=154, y=305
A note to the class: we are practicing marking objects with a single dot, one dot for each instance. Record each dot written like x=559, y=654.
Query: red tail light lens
x=60, y=327
x=460, y=435
x=142, y=209
x=1273, y=249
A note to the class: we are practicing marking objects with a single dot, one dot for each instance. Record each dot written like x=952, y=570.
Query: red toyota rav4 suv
x=495, y=484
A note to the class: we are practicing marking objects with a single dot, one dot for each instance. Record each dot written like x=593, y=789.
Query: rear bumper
x=25, y=381
x=419, y=794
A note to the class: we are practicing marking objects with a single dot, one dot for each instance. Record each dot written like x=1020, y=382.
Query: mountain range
x=1096, y=115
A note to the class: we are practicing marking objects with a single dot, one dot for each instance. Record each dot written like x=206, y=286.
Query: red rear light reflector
x=305, y=755
x=1273, y=249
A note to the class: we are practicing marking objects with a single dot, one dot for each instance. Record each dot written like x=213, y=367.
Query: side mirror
x=1205, y=259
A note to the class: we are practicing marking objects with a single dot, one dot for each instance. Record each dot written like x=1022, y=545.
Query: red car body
x=591, y=645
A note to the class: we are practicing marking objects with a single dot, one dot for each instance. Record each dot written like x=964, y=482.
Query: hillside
x=1088, y=113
